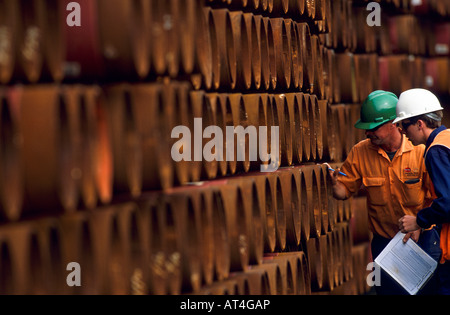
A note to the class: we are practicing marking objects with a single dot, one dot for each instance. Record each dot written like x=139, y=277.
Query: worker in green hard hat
x=378, y=108
x=392, y=173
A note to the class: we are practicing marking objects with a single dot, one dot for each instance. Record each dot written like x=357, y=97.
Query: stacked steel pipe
x=87, y=117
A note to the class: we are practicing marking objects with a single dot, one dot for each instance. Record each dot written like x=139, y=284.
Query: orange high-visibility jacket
x=394, y=188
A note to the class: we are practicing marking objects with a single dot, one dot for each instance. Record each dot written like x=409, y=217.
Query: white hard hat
x=416, y=102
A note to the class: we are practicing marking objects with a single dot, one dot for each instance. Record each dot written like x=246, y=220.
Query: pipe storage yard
x=94, y=180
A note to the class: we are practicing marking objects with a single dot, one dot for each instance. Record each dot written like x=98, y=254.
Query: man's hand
x=339, y=191
x=414, y=235
x=333, y=174
x=408, y=224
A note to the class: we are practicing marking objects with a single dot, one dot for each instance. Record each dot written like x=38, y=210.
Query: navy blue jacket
x=437, y=162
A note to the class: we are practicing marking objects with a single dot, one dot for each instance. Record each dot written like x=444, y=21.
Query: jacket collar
x=433, y=135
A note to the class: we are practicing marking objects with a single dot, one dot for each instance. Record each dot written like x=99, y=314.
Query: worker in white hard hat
x=420, y=113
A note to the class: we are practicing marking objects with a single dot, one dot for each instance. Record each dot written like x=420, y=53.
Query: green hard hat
x=378, y=108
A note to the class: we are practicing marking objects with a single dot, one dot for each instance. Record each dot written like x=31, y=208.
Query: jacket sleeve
x=352, y=182
x=438, y=166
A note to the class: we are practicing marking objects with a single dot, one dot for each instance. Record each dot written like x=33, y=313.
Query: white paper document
x=407, y=263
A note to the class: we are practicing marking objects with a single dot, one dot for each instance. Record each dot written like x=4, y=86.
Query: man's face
x=379, y=134
x=410, y=129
